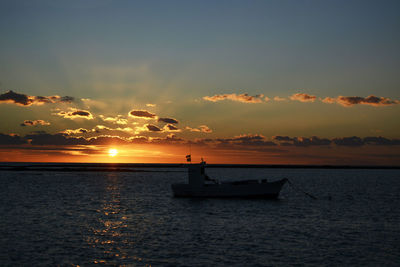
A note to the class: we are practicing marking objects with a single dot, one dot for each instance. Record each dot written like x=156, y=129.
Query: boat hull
x=268, y=190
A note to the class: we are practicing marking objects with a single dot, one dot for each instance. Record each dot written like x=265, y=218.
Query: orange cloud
x=144, y=114
x=119, y=119
x=75, y=131
x=303, y=97
x=34, y=123
x=201, y=128
x=279, y=99
x=74, y=113
x=168, y=120
x=348, y=101
x=244, y=98
x=153, y=128
x=26, y=100
x=302, y=141
x=147, y=128
x=171, y=128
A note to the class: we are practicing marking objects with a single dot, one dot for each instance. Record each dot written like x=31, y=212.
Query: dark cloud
x=26, y=100
x=353, y=141
x=170, y=127
x=247, y=139
x=313, y=141
x=153, y=128
x=76, y=131
x=34, y=123
x=247, y=142
x=381, y=141
x=81, y=113
x=11, y=139
x=168, y=120
x=67, y=99
x=244, y=98
x=16, y=98
x=348, y=101
x=169, y=139
x=142, y=114
x=59, y=139
x=302, y=141
x=282, y=138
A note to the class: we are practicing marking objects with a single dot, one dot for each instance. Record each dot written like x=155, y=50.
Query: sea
x=128, y=217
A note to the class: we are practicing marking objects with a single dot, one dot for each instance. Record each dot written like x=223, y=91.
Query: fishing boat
x=202, y=186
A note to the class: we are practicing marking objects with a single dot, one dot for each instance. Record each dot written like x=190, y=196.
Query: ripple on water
x=131, y=219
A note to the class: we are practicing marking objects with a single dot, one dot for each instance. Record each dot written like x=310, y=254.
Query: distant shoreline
x=129, y=167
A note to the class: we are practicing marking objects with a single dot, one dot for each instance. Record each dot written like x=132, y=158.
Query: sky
x=252, y=82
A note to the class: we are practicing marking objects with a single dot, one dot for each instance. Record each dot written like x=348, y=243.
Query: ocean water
x=119, y=218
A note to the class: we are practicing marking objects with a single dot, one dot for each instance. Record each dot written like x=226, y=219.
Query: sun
x=112, y=152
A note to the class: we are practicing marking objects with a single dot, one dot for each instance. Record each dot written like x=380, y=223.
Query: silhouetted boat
x=200, y=185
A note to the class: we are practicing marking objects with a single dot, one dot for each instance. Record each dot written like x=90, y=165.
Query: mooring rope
x=299, y=189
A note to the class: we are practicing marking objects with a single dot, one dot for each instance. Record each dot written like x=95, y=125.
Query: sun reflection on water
x=107, y=235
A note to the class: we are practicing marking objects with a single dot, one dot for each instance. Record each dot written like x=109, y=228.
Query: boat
x=200, y=185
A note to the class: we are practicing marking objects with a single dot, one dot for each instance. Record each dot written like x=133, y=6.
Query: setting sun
x=112, y=152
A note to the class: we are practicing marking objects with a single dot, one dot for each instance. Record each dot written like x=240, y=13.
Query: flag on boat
x=189, y=158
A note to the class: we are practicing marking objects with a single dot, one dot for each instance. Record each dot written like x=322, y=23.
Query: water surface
x=120, y=218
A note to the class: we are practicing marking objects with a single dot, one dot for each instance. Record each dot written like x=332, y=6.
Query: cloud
x=244, y=98
x=303, y=141
x=169, y=139
x=355, y=141
x=279, y=99
x=329, y=100
x=58, y=139
x=381, y=141
x=171, y=128
x=112, y=131
x=201, y=128
x=74, y=113
x=283, y=138
x=248, y=140
x=144, y=114
x=147, y=128
x=26, y=100
x=352, y=141
x=119, y=119
x=349, y=141
x=75, y=131
x=348, y=101
x=153, y=128
x=168, y=120
x=11, y=139
x=34, y=123
x=100, y=129
x=303, y=97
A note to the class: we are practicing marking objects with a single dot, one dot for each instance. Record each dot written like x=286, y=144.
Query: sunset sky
x=263, y=82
